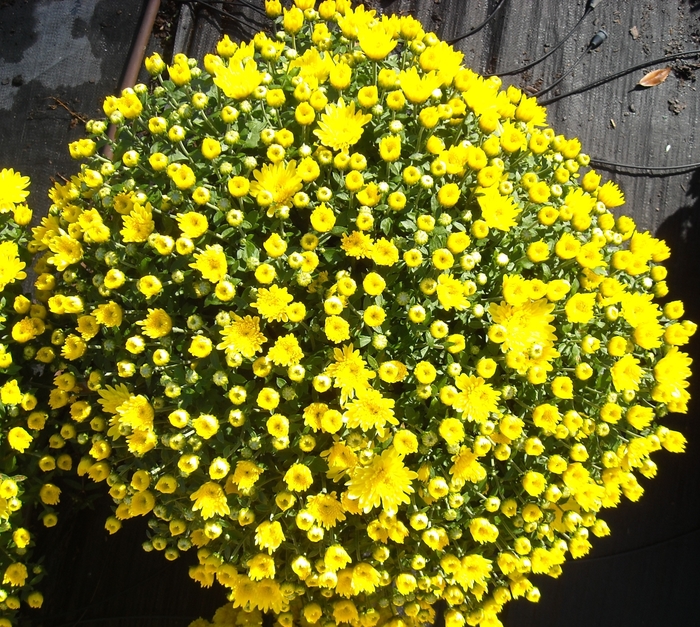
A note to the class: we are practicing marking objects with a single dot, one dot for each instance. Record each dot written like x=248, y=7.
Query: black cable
x=665, y=170
x=224, y=11
x=253, y=27
x=638, y=549
x=541, y=92
x=476, y=29
x=611, y=77
x=252, y=6
x=595, y=42
x=546, y=55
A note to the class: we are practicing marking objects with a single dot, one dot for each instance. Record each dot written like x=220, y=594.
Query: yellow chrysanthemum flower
x=340, y=126
x=384, y=483
x=12, y=189
x=11, y=268
x=211, y=500
x=211, y=263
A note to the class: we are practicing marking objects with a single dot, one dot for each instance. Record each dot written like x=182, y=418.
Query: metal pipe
x=138, y=50
x=133, y=64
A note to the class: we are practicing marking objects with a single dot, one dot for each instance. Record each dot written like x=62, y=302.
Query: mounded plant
x=354, y=323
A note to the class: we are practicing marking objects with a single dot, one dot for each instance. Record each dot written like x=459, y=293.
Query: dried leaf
x=655, y=77
x=634, y=31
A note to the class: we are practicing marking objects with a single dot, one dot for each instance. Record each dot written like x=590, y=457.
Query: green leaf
x=385, y=226
x=576, y=352
x=251, y=250
x=254, y=127
x=178, y=155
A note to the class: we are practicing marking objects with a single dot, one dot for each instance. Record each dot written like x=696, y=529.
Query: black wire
x=665, y=170
x=541, y=92
x=253, y=27
x=252, y=6
x=638, y=549
x=546, y=55
x=224, y=11
x=611, y=77
x=476, y=29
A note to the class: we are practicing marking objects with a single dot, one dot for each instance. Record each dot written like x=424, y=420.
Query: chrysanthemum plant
x=27, y=462
x=354, y=323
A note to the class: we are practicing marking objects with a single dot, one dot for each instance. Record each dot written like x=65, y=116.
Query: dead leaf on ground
x=634, y=31
x=655, y=77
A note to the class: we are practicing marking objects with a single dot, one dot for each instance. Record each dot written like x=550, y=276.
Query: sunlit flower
x=211, y=500
x=238, y=80
x=370, y=410
x=211, y=263
x=349, y=371
x=340, y=126
x=272, y=304
x=242, y=336
x=386, y=482
x=286, y=351
x=138, y=224
x=157, y=324
x=376, y=42
x=326, y=509
x=12, y=189
x=276, y=184
x=11, y=268
x=499, y=212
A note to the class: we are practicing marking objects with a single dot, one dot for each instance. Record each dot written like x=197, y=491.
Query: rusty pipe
x=138, y=50
x=136, y=56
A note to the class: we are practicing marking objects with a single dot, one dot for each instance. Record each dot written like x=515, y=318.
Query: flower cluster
x=351, y=320
x=27, y=465
x=228, y=615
